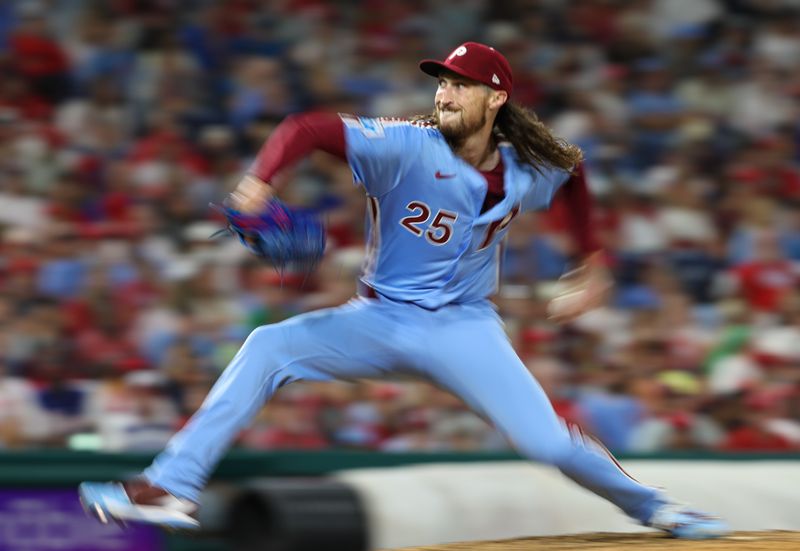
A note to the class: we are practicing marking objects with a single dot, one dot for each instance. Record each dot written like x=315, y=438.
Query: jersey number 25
x=438, y=232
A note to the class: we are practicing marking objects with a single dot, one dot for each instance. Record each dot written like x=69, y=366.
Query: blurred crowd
x=121, y=120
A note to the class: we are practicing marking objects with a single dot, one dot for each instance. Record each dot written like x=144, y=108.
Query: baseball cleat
x=682, y=522
x=111, y=501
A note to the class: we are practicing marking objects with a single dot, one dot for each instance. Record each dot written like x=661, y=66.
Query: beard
x=456, y=129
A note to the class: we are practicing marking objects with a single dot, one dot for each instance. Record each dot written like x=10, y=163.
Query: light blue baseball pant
x=460, y=348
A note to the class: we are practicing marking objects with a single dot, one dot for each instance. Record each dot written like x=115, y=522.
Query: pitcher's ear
x=498, y=99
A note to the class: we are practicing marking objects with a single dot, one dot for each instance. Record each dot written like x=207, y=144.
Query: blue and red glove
x=288, y=238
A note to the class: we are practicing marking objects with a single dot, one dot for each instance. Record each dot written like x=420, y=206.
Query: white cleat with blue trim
x=686, y=523
x=115, y=501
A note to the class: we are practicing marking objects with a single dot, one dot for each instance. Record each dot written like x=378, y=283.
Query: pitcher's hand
x=582, y=289
x=251, y=195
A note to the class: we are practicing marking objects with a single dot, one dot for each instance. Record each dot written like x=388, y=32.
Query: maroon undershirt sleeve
x=296, y=137
x=578, y=207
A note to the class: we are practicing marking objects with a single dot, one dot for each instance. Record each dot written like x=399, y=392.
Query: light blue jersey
x=448, y=250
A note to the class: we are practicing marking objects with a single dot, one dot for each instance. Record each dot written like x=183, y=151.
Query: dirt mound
x=739, y=541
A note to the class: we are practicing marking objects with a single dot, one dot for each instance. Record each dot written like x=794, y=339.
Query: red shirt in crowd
x=36, y=55
x=764, y=284
x=753, y=439
x=277, y=438
x=782, y=182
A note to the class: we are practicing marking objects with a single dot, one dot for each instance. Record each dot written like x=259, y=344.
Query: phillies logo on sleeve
x=371, y=128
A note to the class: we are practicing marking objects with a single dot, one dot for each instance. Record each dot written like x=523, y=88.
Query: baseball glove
x=286, y=237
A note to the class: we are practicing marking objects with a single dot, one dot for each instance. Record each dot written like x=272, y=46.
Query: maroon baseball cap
x=477, y=62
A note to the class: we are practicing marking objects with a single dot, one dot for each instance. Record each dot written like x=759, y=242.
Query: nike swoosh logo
x=440, y=176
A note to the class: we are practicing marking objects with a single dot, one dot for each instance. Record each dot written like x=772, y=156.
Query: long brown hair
x=534, y=143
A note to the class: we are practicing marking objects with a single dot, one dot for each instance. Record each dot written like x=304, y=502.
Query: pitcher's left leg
x=471, y=356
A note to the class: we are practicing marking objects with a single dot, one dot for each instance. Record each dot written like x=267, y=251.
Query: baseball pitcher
x=442, y=191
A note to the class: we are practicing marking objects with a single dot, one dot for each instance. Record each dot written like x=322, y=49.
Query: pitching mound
x=740, y=541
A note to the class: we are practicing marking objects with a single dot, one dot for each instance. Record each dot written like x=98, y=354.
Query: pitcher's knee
x=268, y=343
x=553, y=452
x=267, y=336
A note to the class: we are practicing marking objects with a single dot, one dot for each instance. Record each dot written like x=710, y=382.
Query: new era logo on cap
x=477, y=62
